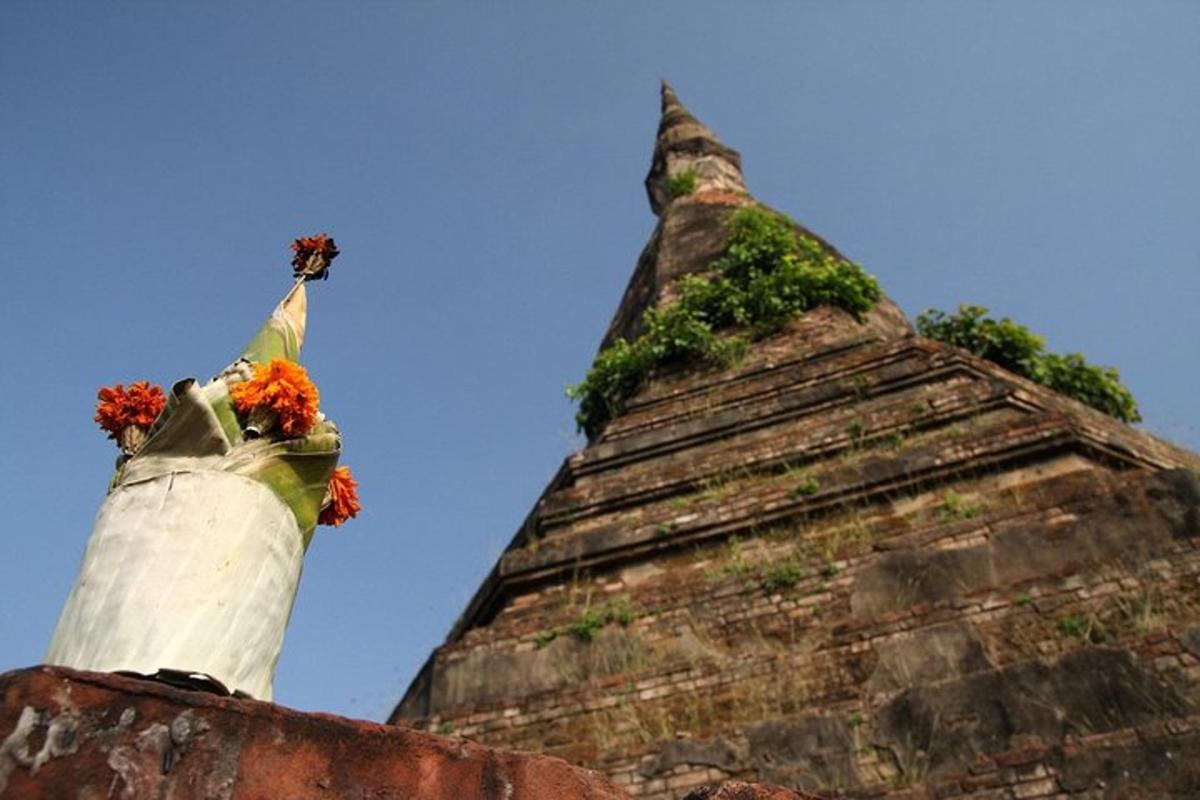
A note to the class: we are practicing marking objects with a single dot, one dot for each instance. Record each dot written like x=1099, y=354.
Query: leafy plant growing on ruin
x=784, y=575
x=1018, y=349
x=954, y=507
x=806, y=488
x=589, y=623
x=1086, y=628
x=682, y=183
x=587, y=626
x=619, y=611
x=768, y=275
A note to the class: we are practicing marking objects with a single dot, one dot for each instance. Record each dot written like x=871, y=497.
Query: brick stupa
x=861, y=563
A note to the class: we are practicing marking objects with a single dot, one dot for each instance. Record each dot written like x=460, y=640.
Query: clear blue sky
x=480, y=165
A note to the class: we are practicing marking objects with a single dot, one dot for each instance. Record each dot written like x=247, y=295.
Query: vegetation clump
x=590, y=622
x=783, y=575
x=954, y=507
x=682, y=183
x=1086, y=628
x=806, y=488
x=768, y=275
x=830, y=570
x=1016, y=348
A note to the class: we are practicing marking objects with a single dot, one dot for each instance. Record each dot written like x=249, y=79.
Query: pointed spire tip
x=669, y=98
x=684, y=144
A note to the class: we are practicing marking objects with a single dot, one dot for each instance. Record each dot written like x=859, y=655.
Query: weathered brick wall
x=820, y=593
x=861, y=562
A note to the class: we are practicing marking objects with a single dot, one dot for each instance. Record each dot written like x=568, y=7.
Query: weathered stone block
x=811, y=752
x=91, y=736
x=1090, y=690
x=926, y=656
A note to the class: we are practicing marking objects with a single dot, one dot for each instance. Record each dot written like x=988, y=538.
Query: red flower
x=119, y=407
x=343, y=498
x=305, y=248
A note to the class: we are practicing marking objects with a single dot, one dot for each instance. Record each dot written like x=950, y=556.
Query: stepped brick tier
x=860, y=563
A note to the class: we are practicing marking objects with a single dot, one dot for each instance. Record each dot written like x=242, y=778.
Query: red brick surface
x=67, y=734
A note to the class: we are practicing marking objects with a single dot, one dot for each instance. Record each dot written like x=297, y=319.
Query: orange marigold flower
x=119, y=407
x=305, y=248
x=343, y=498
x=282, y=386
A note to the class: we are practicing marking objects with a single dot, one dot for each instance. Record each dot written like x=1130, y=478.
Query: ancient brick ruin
x=860, y=563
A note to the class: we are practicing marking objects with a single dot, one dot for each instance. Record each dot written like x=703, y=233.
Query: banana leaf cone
x=282, y=335
x=195, y=556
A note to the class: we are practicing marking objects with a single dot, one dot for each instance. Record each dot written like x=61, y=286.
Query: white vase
x=190, y=571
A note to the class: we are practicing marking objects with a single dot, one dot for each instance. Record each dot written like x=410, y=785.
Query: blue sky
x=480, y=165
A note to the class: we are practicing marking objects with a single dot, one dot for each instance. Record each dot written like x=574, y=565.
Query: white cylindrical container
x=190, y=571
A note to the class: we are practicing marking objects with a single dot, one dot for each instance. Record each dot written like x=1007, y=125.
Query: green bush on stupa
x=768, y=274
x=1019, y=350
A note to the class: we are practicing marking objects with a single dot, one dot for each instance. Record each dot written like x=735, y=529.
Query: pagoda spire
x=686, y=147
